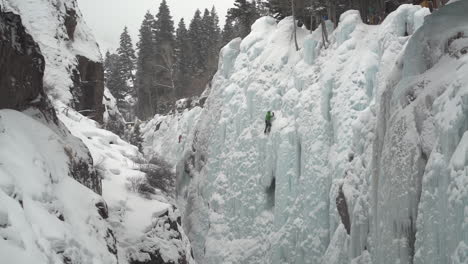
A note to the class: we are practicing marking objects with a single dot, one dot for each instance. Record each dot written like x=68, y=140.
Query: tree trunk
x=312, y=24
x=333, y=14
x=294, y=22
x=381, y=9
x=324, y=34
x=364, y=10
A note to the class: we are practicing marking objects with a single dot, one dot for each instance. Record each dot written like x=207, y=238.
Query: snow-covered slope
x=48, y=217
x=366, y=161
x=145, y=227
x=45, y=215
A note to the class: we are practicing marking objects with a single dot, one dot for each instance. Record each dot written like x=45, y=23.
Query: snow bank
x=380, y=115
x=45, y=215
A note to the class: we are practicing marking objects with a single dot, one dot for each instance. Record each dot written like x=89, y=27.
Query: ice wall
x=161, y=134
x=366, y=161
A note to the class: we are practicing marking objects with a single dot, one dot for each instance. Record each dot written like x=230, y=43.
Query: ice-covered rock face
x=74, y=74
x=369, y=132
x=170, y=136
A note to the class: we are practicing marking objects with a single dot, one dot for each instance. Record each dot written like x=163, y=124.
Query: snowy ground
x=381, y=114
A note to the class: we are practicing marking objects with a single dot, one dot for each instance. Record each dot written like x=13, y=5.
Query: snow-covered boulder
x=113, y=119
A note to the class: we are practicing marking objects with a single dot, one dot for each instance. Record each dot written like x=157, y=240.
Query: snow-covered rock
x=46, y=215
x=74, y=72
x=374, y=126
x=113, y=119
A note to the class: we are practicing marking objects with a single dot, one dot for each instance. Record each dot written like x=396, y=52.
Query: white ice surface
x=381, y=112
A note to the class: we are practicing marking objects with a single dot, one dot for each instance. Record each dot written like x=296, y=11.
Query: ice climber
x=268, y=119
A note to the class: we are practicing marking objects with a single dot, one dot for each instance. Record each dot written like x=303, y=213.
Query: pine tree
x=117, y=86
x=262, y=8
x=115, y=81
x=205, y=38
x=146, y=66
x=182, y=55
x=110, y=61
x=228, y=33
x=279, y=8
x=196, y=42
x=244, y=14
x=164, y=34
x=126, y=57
x=164, y=25
x=214, y=33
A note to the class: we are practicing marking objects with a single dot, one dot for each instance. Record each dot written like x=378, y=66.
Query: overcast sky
x=107, y=18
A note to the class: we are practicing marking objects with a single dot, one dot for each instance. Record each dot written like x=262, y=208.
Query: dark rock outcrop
x=70, y=23
x=21, y=64
x=342, y=207
x=88, y=89
x=111, y=242
x=82, y=170
x=102, y=209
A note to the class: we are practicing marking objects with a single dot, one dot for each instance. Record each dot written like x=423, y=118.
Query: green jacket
x=268, y=117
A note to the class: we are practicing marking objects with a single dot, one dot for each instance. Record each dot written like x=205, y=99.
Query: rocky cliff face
x=21, y=64
x=88, y=89
x=38, y=160
x=74, y=74
x=21, y=88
